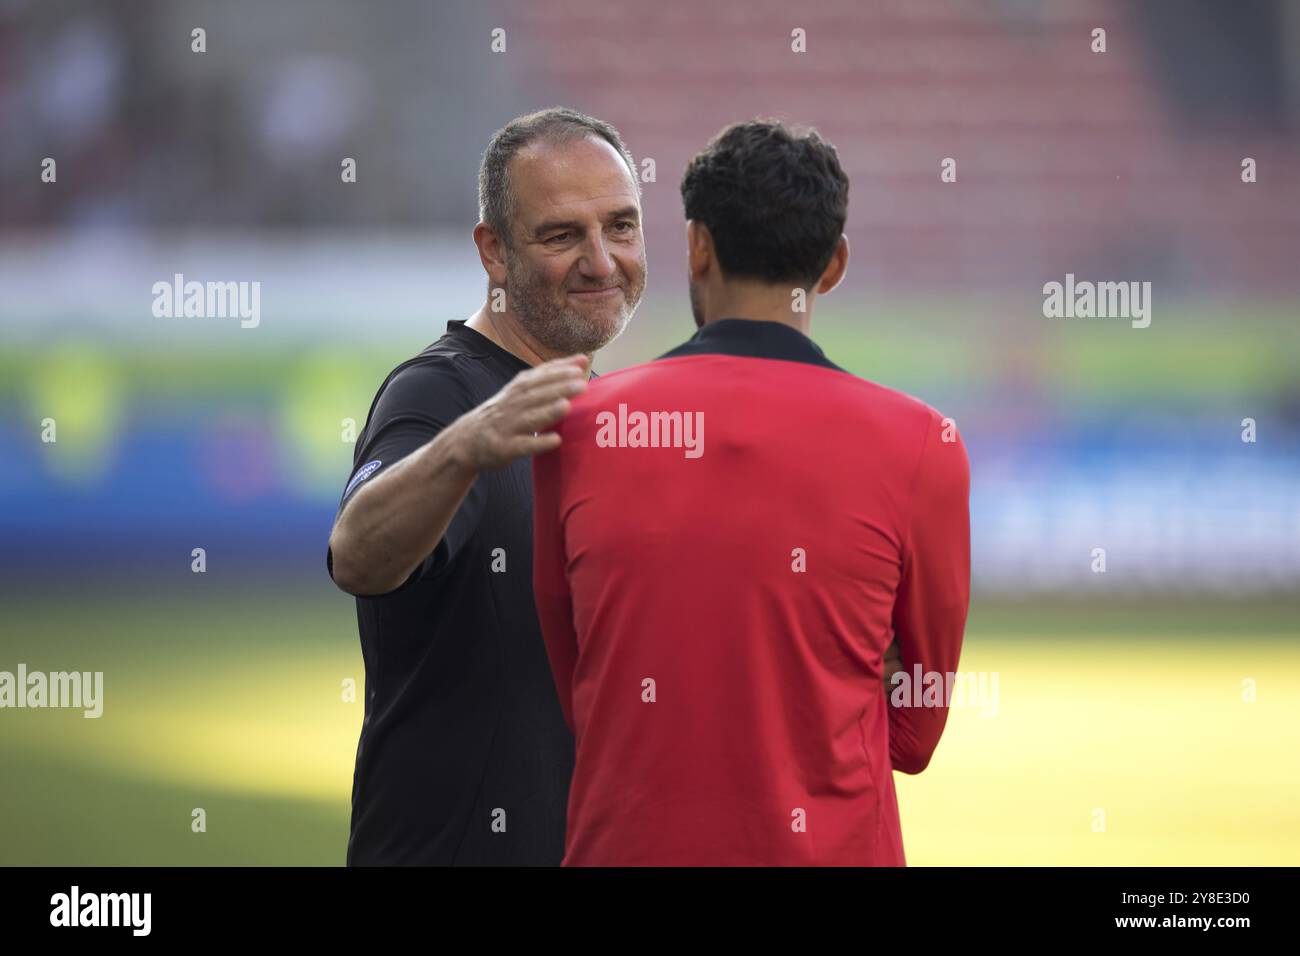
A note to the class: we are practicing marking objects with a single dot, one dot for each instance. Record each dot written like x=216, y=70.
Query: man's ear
x=836, y=268
x=699, y=249
x=492, y=253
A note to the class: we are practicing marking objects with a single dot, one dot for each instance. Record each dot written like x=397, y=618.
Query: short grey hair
x=555, y=125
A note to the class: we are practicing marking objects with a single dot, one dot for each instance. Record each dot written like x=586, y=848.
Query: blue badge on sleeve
x=365, y=472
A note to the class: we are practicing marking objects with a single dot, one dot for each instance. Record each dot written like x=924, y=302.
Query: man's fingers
x=577, y=358
x=541, y=442
x=532, y=402
x=546, y=390
x=531, y=444
x=569, y=364
x=543, y=416
x=544, y=376
x=544, y=395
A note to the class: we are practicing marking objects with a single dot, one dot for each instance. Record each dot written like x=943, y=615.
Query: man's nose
x=596, y=262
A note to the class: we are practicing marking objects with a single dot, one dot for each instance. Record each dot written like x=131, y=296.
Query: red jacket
x=716, y=592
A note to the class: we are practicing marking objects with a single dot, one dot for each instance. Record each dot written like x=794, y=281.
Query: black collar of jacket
x=753, y=339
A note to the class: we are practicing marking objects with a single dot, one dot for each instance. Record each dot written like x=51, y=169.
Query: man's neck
x=506, y=331
x=759, y=303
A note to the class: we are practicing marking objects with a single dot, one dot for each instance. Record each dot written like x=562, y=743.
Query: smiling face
x=575, y=264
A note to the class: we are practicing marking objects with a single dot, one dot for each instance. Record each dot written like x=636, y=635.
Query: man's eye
x=624, y=225
x=559, y=237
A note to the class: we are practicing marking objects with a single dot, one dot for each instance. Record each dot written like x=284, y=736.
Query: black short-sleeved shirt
x=464, y=756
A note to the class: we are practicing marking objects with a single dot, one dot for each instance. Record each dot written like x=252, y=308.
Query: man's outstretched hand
x=513, y=422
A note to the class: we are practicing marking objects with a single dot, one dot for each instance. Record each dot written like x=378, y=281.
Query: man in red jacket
x=729, y=539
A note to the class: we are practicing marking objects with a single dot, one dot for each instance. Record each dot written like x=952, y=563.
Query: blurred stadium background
x=1119, y=692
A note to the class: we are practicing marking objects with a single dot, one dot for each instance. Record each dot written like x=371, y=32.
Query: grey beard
x=561, y=329
x=566, y=331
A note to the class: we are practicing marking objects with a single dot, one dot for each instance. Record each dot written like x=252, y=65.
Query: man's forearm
x=395, y=521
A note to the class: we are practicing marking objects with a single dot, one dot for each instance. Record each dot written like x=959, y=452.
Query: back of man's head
x=774, y=199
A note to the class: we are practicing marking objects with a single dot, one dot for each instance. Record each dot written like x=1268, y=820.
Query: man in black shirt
x=464, y=756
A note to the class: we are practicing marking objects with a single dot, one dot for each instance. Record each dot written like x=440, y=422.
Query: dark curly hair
x=774, y=199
